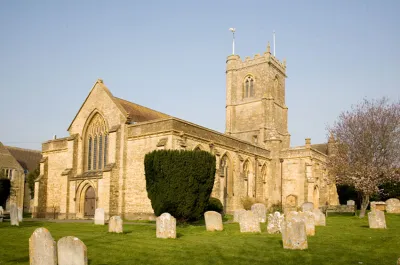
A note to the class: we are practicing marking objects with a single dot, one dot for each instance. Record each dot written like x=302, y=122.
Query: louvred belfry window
x=248, y=87
x=97, y=143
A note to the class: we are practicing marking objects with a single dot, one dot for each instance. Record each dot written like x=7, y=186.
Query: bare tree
x=367, y=149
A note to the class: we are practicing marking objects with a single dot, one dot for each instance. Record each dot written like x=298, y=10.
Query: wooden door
x=90, y=202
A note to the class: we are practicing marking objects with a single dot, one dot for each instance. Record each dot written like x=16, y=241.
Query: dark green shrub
x=215, y=204
x=5, y=187
x=179, y=182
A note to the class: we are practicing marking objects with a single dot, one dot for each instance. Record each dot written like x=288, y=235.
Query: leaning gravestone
x=249, y=223
x=307, y=207
x=351, y=202
x=213, y=221
x=14, y=215
x=376, y=219
x=115, y=225
x=1, y=214
x=319, y=217
x=71, y=251
x=237, y=214
x=294, y=234
x=275, y=223
x=393, y=205
x=166, y=226
x=259, y=210
x=99, y=216
x=20, y=214
x=309, y=221
x=42, y=248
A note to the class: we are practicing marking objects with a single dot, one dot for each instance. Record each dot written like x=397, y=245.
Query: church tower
x=255, y=100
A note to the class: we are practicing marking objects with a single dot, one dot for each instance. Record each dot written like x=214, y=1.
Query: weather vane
x=233, y=41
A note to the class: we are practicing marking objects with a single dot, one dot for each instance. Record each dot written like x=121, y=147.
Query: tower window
x=248, y=87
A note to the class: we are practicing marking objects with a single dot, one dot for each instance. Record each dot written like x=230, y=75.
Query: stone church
x=100, y=164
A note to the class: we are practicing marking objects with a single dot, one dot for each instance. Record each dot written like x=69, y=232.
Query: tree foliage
x=215, y=205
x=367, y=150
x=179, y=182
x=31, y=180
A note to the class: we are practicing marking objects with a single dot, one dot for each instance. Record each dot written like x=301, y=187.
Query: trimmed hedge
x=179, y=182
x=215, y=204
x=5, y=187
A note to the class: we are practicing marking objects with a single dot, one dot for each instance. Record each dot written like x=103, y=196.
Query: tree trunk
x=364, y=205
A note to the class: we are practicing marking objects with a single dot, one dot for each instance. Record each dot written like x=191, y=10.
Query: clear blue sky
x=170, y=56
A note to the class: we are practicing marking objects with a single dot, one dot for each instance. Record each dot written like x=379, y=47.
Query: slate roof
x=323, y=148
x=138, y=113
x=27, y=158
x=7, y=160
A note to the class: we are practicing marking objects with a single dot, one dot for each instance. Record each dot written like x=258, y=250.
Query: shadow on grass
x=179, y=235
x=365, y=226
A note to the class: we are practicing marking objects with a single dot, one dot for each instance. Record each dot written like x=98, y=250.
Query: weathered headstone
x=20, y=214
x=307, y=207
x=309, y=220
x=275, y=223
x=115, y=225
x=237, y=214
x=14, y=215
x=249, y=223
x=166, y=226
x=393, y=205
x=99, y=216
x=319, y=217
x=398, y=261
x=377, y=206
x=376, y=219
x=351, y=202
x=71, y=251
x=294, y=234
x=42, y=248
x=1, y=214
x=213, y=221
x=259, y=210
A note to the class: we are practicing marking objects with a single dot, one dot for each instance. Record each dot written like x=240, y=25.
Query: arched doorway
x=90, y=202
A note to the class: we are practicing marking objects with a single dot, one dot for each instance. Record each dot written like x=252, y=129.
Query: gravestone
x=71, y=251
x=377, y=206
x=319, y=217
x=213, y=221
x=14, y=215
x=237, y=214
x=393, y=205
x=351, y=202
x=307, y=207
x=1, y=214
x=376, y=219
x=166, y=226
x=294, y=235
x=42, y=248
x=99, y=216
x=275, y=223
x=249, y=223
x=259, y=210
x=398, y=261
x=115, y=225
x=309, y=220
x=20, y=214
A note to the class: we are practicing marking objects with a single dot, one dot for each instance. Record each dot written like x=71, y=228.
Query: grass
x=345, y=240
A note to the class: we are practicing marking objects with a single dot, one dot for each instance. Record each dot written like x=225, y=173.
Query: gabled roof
x=7, y=160
x=27, y=158
x=323, y=148
x=138, y=113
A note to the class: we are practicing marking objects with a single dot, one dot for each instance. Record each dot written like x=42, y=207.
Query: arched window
x=97, y=143
x=226, y=170
x=248, y=87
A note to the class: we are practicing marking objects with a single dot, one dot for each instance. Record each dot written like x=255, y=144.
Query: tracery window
x=226, y=171
x=97, y=143
x=248, y=87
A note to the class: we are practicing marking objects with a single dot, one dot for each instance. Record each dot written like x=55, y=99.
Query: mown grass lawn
x=345, y=240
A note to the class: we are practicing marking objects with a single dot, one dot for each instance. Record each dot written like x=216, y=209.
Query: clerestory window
x=248, y=87
x=97, y=144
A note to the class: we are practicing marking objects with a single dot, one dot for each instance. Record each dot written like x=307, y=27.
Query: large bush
x=215, y=205
x=179, y=182
x=5, y=187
